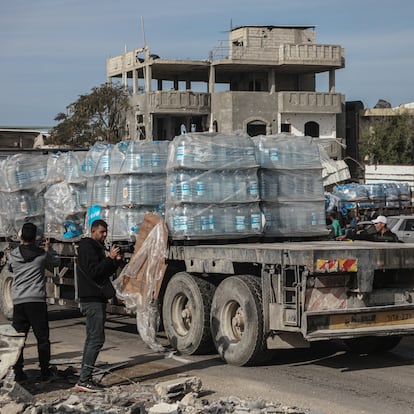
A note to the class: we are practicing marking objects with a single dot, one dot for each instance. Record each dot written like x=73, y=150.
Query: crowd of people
x=346, y=228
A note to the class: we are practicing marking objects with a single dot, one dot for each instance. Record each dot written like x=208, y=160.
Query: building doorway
x=256, y=128
x=312, y=129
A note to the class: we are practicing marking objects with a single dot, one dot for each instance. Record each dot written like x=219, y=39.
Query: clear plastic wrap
x=211, y=151
x=287, y=151
x=124, y=222
x=139, y=281
x=290, y=184
x=64, y=213
x=23, y=171
x=213, y=186
x=55, y=168
x=146, y=189
x=295, y=218
x=203, y=221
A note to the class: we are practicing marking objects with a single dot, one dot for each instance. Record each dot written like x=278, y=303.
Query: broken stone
x=175, y=388
x=13, y=408
x=189, y=399
x=11, y=343
x=163, y=408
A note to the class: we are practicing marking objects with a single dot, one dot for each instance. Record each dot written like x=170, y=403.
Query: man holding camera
x=94, y=269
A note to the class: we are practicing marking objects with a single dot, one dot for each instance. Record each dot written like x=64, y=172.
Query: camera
x=125, y=248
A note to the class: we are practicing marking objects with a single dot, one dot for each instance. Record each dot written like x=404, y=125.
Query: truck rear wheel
x=186, y=313
x=372, y=344
x=6, y=302
x=237, y=320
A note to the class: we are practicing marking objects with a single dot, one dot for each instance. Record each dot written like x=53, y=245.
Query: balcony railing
x=316, y=102
x=179, y=101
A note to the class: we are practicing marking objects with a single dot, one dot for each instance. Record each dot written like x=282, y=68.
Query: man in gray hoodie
x=27, y=262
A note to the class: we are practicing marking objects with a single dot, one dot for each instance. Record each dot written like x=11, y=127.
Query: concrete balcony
x=321, y=57
x=179, y=101
x=312, y=54
x=310, y=102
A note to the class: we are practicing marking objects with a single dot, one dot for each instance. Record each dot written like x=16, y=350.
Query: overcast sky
x=52, y=51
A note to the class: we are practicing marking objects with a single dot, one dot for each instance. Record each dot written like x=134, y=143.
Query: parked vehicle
x=403, y=227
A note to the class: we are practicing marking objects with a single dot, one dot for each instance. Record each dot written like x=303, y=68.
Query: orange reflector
x=336, y=265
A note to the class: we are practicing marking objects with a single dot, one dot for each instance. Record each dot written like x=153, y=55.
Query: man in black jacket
x=94, y=269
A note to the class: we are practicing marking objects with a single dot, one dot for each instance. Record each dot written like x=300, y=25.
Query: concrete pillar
x=212, y=79
x=176, y=84
x=134, y=82
x=272, y=81
x=159, y=85
x=148, y=78
x=125, y=79
x=332, y=81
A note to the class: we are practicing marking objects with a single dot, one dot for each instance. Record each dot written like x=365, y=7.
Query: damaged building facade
x=262, y=82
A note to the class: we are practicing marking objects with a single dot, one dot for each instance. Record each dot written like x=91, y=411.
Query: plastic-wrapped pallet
x=291, y=186
x=129, y=179
x=212, y=187
x=64, y=211
x=23, y=179
x=352, y=195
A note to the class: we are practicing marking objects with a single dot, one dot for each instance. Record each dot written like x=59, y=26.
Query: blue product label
x=185, y=189
x=94, y=213
x=255, y=221
x=253, y=188
x=180, y=153
x=183, y=223
x=211, y=221
x=274, y=154
x=313, y=219
x=240, y=223
x=105, y=162
x=205, y=223
x=154, y=160
x=200, y=188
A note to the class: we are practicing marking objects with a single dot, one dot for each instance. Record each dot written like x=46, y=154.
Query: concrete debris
x=11, y=343
x=163, y=408
x=134, y=399
x=173, y=389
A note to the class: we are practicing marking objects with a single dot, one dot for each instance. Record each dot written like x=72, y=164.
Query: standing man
x=27, y=262
x=94, y=269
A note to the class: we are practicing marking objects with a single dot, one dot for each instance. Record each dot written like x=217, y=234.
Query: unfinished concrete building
x=262, y=82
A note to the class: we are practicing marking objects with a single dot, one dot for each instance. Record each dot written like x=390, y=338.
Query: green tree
x=388, y=140
x=101, y=114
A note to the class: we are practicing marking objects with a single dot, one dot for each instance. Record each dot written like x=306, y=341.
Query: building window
x=285, y=128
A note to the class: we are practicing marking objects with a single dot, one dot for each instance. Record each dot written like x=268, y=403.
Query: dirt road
x=325, y=378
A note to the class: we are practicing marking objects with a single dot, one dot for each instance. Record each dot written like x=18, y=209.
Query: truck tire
x=372, y=344
x=237, y=321
x=186, y=313
x=6, y=302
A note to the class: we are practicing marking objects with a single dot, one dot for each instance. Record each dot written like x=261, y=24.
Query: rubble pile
x=182, y=395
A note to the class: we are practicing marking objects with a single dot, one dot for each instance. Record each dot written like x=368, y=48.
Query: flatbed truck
x=243, y=299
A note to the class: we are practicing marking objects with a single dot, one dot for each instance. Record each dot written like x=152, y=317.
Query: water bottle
x=182, y=186
x=73, y=171
x=102, y=190
x=117, y=158
x=252, y=185
x=241, y=220
x=133, y=158
x=130, y=191
x=183, y=152
x=200, y=190
x=227, y=187
x=255, y=218
x=213, y=180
